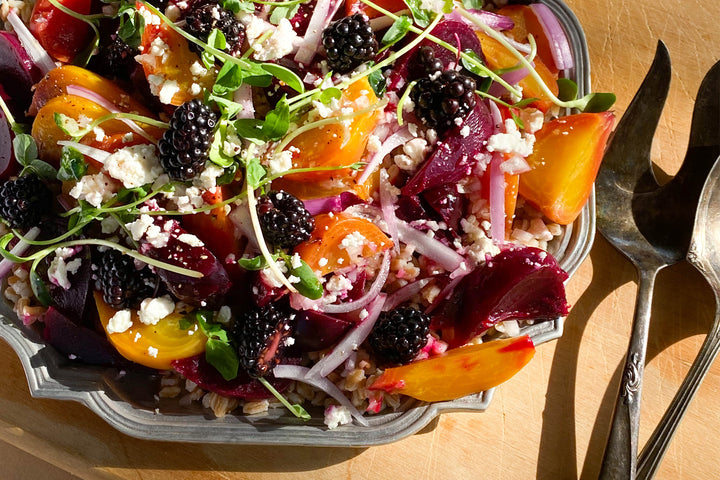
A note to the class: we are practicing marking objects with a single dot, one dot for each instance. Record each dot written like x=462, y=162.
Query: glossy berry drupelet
x=121, y=283
x=260, y=336
x=204, y=17
x=185, y=145
x=426, y=63
x=442, y=101
x=24, y=201
x=115, y=58
x=284, y=220
x=398, y=335
x=349, y=42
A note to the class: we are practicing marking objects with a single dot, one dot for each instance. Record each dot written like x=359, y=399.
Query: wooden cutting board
x=551, y=420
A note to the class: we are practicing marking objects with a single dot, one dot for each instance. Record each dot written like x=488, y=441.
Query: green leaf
x=131, y=26
x=216, y=39
x=67, y=125
x=295, y=409
x=228, y=108
x=40, y=289
x=378, y=83
x=471, y=66
x=399, y=28
x=255, y=263
x=285, y=75
x=309, y=285
x=223, y=357
x=72, y=164
x=216, y=153
x=281, y=12
x=600, y=102
x=43, y=169
x=254, y=172
x=25, y=149
x=229, y=175
x=250, y=129
x=422, y=17
x=228, y=79
x=328, y=94
x=567, y=89
x=473, y=4
x=277, y=121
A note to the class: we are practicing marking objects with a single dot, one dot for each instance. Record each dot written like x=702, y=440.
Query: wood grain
x=550, y=421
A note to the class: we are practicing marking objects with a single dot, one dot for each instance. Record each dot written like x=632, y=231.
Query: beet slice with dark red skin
x=79, y=342
x=454, y=157
x=205, y=292
x=199, y=371
x=520, y=283
x=316, y=331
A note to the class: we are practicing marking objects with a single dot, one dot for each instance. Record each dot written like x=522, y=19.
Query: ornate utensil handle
x=620, y=458
x=655, y=449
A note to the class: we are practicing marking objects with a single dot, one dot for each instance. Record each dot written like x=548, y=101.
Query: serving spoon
x=651, y=225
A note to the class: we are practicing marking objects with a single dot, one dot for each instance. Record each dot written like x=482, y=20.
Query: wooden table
x=551, y=420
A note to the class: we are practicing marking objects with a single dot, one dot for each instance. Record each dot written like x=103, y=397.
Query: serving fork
x=651, y=225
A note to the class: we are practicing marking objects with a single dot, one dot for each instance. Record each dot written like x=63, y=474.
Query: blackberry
x=399, y=335
x=260, y=337
x=24, y=201
x=443, y=100
x=185, y=145
x=115, y=58
x=426, y=63
x=284, y=220
x=349, y=42
x=122, y=284
x=204, y=17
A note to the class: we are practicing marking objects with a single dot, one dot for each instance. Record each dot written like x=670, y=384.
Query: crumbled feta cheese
x=152, y=351
x=512, y=141
x=94, y=189
x=280, y=43
x=190, y=239
x=224, y=315
x=197, y=70
x=280, y=162
x=99, y=134
x=295, y=261
x=168, y=90
x=152, y=310
x=323, y=261
x=208, y=178
x=139, y=226
x=60, y=268
x=336, y=415
x=134, y=166
x=120, y=322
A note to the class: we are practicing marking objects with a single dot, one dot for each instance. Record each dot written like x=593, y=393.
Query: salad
x=300, y=204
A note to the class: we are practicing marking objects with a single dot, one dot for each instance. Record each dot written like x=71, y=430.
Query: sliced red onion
x=492, y=20
x=92, y=152
x=334, y=204
x=497, y=199
x=398, y=138
x=405, y=293
x=352, y=340
x=387, y=205
x=496, y=117
x=106, y=104
x=298, y=301
x=321, y=17
x=445, y=293
x=433, y=249
x=371, y=294
x=512, y=77
x=20, y=247
x=37, y=53
x=243, y=96
x=300, y=374
x=559, y=45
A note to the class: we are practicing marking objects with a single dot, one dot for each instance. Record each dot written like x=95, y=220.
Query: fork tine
x=704, y=144
x=627, y=159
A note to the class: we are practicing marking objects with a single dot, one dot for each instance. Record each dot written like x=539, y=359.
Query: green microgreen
x=72, y=164
x=70, y=126
x=26, y=154
x=218, y=351
x=83, y=57
x=295, y=409
x=403, y=100
x=396, y=32
x=307, y=282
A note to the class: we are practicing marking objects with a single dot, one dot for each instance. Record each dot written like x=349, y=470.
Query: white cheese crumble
x=152, y=351
x=152, y=310
x=168, y=90
x=279, y=44
x=120, y=322
x=134, y=166
x=94, y=189
x=336, y=415
x=280, y=162
x=190, y=239
x=60, y=268
x=512, y=141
